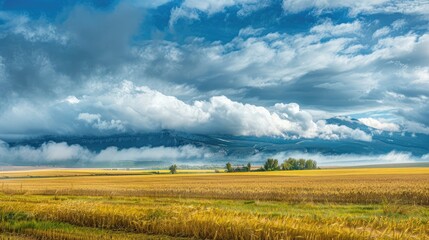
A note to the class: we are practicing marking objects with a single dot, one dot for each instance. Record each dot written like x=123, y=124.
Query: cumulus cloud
x=96, y=122
x=380, y=124
x=130, y=108
x=146, y=109
x=71, y=100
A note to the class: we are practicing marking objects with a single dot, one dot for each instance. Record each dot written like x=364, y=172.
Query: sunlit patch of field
x=319, y=204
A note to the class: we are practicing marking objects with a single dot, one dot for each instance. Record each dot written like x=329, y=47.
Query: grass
x=322, y=204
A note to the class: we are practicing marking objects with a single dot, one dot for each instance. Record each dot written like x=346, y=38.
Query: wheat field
x=313, y=204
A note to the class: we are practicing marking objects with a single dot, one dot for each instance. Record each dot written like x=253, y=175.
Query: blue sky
x=239, y=67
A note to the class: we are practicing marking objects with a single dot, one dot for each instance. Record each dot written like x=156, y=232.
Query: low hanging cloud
x=392, y=157
x=47, y=153
x=63, y=154
x=182, y=153
x=380, y=124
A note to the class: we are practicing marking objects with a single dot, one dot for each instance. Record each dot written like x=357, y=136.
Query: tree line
x=270, y=165
x=273, y=165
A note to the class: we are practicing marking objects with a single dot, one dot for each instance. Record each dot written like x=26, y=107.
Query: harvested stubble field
x=313, y=204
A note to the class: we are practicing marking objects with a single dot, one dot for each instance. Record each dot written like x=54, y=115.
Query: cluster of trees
x=244, y=168
x=299, y=164
x=270, y=165
x=173, y=169
x=273, y=165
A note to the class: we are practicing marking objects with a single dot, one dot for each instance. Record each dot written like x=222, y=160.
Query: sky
x=275, y=68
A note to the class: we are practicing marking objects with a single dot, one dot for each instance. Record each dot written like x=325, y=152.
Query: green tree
x=173, y=169
x=249, y=166
x=292, y=164
x=286, y=165
x=310, y=164
x=229, y=167
x=301, y=164
x=271, y=165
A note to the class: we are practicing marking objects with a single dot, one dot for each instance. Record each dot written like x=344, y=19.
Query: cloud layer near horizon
x=62, y=154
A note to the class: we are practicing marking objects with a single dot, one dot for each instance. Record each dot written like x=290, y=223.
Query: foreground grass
x=323, y=204
x=78, y=216
x=19, y=227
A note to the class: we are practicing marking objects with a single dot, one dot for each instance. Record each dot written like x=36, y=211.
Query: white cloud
x=398, y=24
x=337, y=132
x=420, y=7
x=144, y=109
x=415, y=127
x=330, y=29
x=265, y=62
x=178, y=13
x=354, y=159
x=48, y=153
x=32, y=30
x=63, y=153
x=182, y=153
x=249, y=31
x=130, y=108
x=381, y=32
x=380, y=124
x=214, y=6
x=191, y=8
x=88, y=117
x=71, y=100
x=95, y=120
x=147, y=4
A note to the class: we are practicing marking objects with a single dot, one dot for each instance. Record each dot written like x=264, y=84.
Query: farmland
x=380, y=203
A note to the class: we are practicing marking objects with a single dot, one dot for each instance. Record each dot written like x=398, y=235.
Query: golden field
x=311, y=204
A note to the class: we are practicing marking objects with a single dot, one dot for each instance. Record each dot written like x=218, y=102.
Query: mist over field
x=74, y=155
